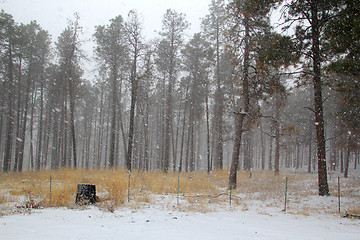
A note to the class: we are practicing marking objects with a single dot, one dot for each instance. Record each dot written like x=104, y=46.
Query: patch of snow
x=155, y=223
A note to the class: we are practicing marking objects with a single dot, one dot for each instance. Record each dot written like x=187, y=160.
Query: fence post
x=178, y=187
x=50, y=191
x=129, y=173
x=339, y=195
x=286, y=189
x=230, y=193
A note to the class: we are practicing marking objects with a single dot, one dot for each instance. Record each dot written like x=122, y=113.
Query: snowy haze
x=53, y=15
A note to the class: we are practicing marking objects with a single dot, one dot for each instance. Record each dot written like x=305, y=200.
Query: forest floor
x=153, y=209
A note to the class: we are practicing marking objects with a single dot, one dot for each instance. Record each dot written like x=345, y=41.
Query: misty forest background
x=237, y=94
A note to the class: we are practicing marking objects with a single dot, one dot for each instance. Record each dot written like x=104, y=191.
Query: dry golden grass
x=198, y=191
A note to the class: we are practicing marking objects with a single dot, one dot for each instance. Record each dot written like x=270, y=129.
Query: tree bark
x=134, y=88
x=10, y=114
x=318, y=101
x=347, y=160
x=113, y=117
x=239, y=118
x=310, y=154
x=168, y=125
x=85, y=194
x=23, y=130
x=209, y=167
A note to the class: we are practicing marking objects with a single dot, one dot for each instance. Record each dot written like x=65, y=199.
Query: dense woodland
x=240, y=94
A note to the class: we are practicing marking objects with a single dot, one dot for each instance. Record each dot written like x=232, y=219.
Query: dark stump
x=85, y=194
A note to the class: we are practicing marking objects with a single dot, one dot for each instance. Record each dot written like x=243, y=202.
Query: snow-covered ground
x=159, y=223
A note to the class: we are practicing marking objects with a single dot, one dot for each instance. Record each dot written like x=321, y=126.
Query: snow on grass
x=154, y=211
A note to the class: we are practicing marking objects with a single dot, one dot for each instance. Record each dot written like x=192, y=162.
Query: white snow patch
x=155, y=223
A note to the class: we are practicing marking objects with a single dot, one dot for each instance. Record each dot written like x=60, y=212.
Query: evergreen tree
x=112, y=53
x=68, y=47
x=173, y=27
x=311, y=18
x=213, y=27
x=248, y=18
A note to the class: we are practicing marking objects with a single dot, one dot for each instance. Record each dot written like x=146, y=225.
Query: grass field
x=196, y=191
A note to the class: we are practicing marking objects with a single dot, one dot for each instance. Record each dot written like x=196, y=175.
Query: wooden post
x=230, y=194
x=178, y=187
x=339, y=194
x=86, y=193
x=286, y=189
x=129, y=174
x=50, y=191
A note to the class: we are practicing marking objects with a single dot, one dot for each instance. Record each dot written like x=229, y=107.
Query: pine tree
x=248, y=17
x=174, y=25
x=112, y=52
x=316, y=14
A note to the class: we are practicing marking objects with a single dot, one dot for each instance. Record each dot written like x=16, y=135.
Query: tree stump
x=85, y=194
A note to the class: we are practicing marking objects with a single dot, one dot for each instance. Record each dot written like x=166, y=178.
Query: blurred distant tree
x=68, y=47
x=36, y=57
x=196, y=65
x=343, y=34
x=112, y=52
x=134, y=38
x=173, y=27
x=7, y=46
x=213, y=27
x=274, y=55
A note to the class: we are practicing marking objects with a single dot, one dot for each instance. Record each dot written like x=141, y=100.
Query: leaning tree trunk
x=239, y=118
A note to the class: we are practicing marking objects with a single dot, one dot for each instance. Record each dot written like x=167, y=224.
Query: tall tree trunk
x=23, y=130
x=270, y=153
x=64, y=134
x=134, y=89
x=183, y=136
x=106, y=162
x=347, y=160
x=100, y=132
x=19, y=116
x=146, y=136
x=218, y=125
x=113, y=119
x=247, y=151
x=310, y=154
x=297, y=147
x=31, y=157
x=262, y=140
x=239, y=118
x=168, y=126
x=219, y=106
x=176, y=140
x=39, y=145
x=318, y=101
x=55, y=142
x=191, y=143
x=208, y=134
x=10, y=115
x=277, y=131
